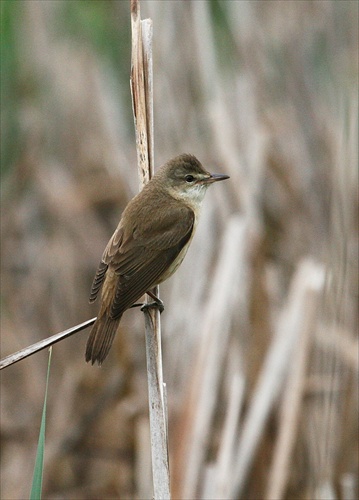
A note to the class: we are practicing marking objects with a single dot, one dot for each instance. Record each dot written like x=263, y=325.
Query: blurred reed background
x=260, y=325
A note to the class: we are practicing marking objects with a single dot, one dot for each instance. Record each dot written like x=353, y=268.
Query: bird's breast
x=179, y=259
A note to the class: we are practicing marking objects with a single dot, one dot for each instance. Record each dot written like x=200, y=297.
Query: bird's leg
x=156, y=303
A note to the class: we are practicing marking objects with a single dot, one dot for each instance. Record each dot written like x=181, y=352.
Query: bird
x=148, y=246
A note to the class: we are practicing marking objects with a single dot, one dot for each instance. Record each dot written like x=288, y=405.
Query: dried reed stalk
x=226, y=449
x=296, y=315
x=42, y=344
x=142, y=102
x=294, y=392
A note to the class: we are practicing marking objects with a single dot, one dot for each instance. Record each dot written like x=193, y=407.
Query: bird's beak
x=215, y=178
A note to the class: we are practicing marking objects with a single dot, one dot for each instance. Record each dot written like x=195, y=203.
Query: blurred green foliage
x=9, y=132
x=101, y=25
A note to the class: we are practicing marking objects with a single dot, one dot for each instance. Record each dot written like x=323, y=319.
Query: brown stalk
x=307, y=282
x=42, y=344
x=142, y=103
x=292, y=403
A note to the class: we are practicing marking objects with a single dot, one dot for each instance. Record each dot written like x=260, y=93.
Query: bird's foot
x=156, y=303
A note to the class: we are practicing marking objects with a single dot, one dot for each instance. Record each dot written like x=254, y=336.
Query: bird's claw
x=158, y=304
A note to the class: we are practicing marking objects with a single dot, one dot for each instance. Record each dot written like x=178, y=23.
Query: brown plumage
x=148, y=245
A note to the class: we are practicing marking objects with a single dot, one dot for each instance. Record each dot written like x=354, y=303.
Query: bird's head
x=185, y=178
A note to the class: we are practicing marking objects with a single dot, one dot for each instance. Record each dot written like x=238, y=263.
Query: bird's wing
x=98, y=280
x=140, y=257
x=131, y=247
x=130, y=288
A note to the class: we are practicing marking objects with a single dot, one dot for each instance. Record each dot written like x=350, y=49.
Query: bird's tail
x=101, y=338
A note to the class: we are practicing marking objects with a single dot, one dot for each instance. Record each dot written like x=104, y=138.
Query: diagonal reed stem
x=42, y=344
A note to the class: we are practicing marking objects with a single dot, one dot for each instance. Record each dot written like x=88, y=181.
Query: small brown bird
x=148, y=245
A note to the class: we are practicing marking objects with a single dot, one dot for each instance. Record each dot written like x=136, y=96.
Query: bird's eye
x=189, y=178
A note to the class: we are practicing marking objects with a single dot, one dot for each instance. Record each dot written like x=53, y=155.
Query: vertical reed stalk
x=142, y=102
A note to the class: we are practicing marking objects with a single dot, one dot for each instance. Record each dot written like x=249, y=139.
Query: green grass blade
x=36, y=487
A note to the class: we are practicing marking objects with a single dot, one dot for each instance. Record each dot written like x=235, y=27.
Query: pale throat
x=192, y=196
